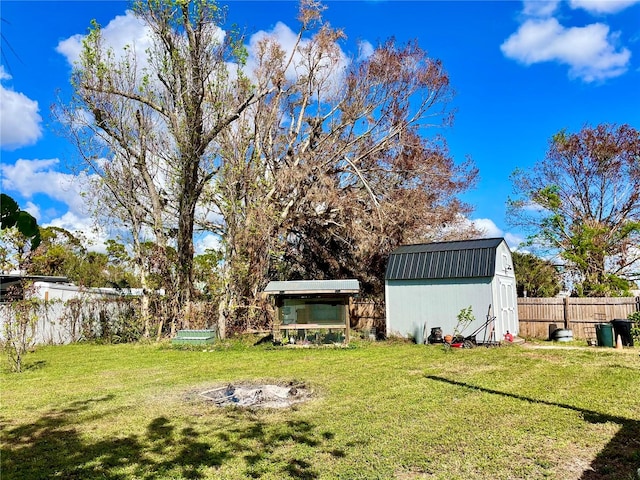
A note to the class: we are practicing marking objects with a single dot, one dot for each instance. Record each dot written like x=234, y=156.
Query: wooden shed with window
x=427, y=286
x=312, y=311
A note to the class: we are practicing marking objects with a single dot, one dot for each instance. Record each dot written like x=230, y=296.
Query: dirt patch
x=247, y=395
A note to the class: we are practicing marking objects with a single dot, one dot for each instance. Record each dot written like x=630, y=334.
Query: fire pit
x=258, y=395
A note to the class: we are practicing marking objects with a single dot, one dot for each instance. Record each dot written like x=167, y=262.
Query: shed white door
x=507, y=314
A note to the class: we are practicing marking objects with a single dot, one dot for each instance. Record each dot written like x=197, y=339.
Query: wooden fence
x=578, y=314
x=535, y=314
x=368, y=315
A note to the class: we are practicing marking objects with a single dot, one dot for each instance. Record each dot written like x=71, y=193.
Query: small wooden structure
x=312, y=311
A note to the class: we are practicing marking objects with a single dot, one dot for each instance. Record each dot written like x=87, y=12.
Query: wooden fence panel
x=367, y=315
x=536, y=314
x=578, y=314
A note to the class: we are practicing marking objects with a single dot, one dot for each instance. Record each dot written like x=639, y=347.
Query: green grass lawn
x=380, y=410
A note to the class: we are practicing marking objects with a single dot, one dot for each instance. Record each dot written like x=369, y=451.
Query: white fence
x=61, y=322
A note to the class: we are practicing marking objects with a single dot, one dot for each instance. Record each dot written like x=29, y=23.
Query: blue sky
x=521, y=71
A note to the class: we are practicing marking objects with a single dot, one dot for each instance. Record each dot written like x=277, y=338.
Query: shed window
x=506, y=265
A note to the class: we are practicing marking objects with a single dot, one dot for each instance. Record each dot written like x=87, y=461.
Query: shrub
x=20, y=321
x=635, y=327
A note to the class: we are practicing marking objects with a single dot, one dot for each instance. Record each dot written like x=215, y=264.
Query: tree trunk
x=222, y=318
x=144, y=311
x=184, y=272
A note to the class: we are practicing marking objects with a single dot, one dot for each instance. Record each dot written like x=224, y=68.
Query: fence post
x=638, y=304
x=566, y=312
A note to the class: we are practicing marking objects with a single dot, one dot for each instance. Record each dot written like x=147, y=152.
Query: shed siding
x=427, y=285
x=413, y=305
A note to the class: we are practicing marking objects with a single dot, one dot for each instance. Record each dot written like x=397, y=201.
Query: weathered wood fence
x=367, y=315
x=578, y=314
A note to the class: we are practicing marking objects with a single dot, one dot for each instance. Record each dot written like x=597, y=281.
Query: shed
x=12, y=285
x=427, y=285
x=312, y=307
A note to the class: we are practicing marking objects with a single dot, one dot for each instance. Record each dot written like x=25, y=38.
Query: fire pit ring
x=244, y=395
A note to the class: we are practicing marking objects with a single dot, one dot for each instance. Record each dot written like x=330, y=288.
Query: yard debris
x=258, y=395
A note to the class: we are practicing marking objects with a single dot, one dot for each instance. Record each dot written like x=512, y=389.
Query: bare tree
x=331, y=171
x=583, y=203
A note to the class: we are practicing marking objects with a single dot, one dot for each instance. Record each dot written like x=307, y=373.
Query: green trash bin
x=604, y=334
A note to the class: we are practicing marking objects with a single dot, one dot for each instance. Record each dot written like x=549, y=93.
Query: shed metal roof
x=458, y=259
x=312, y=286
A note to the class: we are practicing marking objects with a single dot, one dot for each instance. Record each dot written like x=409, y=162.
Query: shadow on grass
x=35, y=365
x=53, y=446
x=618, y=460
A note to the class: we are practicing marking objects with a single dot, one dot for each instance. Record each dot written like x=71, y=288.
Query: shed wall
x=413, y=305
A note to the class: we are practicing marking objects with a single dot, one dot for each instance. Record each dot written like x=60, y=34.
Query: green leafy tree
x=62, y=253
x=19, y=236
x=582, y=202
x=11, y=216
x=15, y=250
x=207, y=274
x=59, y=253
x=535, y=277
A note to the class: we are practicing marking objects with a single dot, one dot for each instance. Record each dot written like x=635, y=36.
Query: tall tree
x=326, y=175
x=535, y=277
x=583, y=202
x=158, y=115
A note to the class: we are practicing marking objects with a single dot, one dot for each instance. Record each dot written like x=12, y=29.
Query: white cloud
x=588, y=51
x=33, y=209
x=83, y=227
x=488, y=228
x=602, y=6
x=20, y=122
x=514, y=240
x=31, y=177
x=122, y=31
x=365, y=50
x=537, y=8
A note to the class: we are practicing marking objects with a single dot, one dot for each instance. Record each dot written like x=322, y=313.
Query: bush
x=109, y=320
x=635, y=327
x=19, y=330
